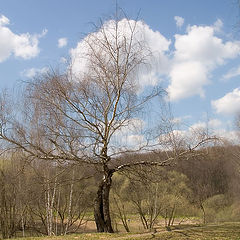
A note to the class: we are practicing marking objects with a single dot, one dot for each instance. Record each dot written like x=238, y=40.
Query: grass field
x=230, y=231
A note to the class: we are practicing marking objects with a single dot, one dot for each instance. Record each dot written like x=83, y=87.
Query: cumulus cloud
x=20, y=45
x=129, y=137
x=230, y=136
x=200, y=44
x=228, y=104
x=187, y=79
x=215, y=127
x=188, y=67
x=212, y=124
x=198, y=126
x=135, y=140
x=157, y=62
x=32, y=72
x=179, y=21
x=62, y=42
x=196, y=54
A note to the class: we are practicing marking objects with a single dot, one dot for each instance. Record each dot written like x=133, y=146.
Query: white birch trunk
x=47, y=196
x=52, y=198
x=58, y=204
x=70, y=204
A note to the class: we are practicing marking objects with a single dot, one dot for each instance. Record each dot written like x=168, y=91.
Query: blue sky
x=201, y=37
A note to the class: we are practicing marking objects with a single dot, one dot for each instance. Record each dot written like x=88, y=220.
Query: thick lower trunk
x=98, y=210
x=101, y=205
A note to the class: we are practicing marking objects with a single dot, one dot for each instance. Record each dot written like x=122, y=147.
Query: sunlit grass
x=226, y=231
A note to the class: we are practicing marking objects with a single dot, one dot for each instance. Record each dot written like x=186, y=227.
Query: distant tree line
x=42, y=198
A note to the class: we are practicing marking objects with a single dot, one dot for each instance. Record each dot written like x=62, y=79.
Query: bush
x=217, y=202
x=217, y=209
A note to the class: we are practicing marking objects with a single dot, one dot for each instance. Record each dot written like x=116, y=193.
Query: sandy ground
x=134, y=226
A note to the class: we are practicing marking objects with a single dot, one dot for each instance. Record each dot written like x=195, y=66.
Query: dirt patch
x=88, y=227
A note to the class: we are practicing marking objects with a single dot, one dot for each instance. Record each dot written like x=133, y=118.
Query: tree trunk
x=101, y=204
x=204, y=214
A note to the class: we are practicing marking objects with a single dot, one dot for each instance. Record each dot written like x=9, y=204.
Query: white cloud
x=129, y=136
x=218, y=25
x=32, y=72
x=196, y=54
x=230, y=136
x=135, y=140
x=131, y=127
x=157, y=62
x=179, y=21
x=215, y=128
x=174, y=136
x=4, y=20
x=211, y=124
x=234, y=72
x=187, y=79
x=180, y=120
x=62, y=42
x=214, y=123
x=150, y=78
x=200, y=44
x=20, y=45
x=229, y=104
x=198, y=126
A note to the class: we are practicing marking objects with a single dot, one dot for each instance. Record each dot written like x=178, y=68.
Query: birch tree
x=78, y=116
